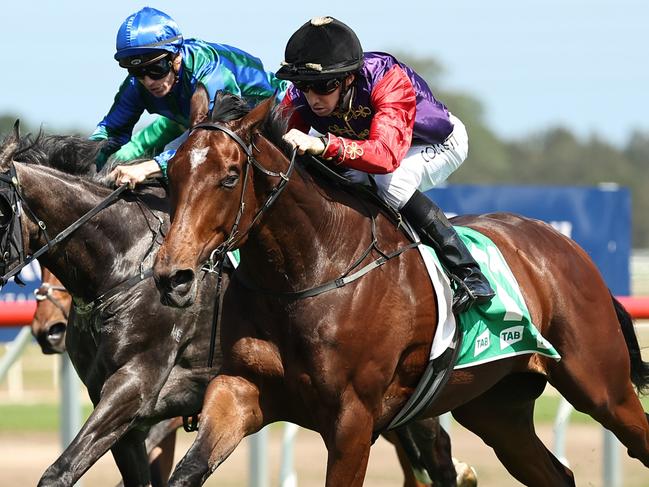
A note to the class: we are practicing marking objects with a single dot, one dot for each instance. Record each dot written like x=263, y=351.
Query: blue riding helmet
x=145, y=35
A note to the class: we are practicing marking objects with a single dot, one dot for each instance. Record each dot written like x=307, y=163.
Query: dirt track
x=23, y=458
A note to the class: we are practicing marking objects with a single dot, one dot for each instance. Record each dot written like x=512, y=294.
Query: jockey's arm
x=391, y=130
x=117, y=125
x=150, y=141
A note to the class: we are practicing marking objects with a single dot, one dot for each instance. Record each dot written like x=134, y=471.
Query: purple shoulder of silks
x=432, y=122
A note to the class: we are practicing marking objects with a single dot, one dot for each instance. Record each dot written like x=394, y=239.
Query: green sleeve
x=151, y=140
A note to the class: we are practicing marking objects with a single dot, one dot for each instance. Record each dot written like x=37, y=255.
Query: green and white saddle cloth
x=492, y=331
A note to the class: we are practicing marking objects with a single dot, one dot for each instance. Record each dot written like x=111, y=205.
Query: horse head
x=51, y=317
x=214, y=195
x=11, y=231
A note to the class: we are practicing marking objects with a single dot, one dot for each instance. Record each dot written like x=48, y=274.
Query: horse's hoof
x=466, y=474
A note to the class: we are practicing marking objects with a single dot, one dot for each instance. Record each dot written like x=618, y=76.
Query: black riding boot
x=435, y=230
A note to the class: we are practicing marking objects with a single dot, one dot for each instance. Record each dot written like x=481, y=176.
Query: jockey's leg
x=435, y=230
x=423, y=168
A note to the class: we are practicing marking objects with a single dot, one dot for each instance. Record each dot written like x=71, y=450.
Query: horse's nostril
x=181, y=279
x=56, y=332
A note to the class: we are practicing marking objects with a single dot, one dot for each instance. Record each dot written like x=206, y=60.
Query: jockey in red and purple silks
x=373, y=115
x=392, y=108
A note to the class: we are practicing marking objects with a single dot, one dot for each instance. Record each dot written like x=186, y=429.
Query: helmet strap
x=345, y=98
x=173, y=68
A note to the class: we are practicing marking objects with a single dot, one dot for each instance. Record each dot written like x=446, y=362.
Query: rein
x=110, y=199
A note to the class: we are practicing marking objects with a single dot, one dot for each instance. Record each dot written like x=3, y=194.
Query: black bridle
x=235, y=235
x=11, y=238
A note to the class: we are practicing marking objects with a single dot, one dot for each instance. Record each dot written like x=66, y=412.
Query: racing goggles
x=325, y=87
x=156, y=70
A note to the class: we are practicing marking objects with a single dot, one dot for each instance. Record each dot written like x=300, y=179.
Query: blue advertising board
x=597, y=218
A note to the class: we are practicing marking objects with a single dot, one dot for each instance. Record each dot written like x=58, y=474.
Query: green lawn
x=45, y=417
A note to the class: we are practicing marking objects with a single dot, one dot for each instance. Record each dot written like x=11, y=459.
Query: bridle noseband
x=235, y=235
x=46, y=291
x=11, y=239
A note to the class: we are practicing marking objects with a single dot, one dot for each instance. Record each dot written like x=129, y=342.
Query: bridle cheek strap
x=234, y=235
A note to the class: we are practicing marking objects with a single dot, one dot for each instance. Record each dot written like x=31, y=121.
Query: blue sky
x=582, y=64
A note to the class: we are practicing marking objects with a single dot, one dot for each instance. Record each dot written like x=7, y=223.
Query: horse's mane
x=70, y=154
x=67, y=153
x=229, y=107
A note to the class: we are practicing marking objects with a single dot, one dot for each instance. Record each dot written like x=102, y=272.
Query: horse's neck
x=98, y=255
x=309, y=235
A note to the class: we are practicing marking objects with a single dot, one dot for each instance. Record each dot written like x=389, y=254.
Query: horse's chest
x=258, y=356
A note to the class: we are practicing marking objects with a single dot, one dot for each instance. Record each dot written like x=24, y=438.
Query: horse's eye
x=230, y=181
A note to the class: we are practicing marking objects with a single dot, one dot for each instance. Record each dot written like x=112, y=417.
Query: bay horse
x=53, y=303
x=344, y=362
x=142, y=362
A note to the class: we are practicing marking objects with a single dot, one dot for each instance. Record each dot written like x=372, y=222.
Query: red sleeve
x=295, y=121
x=395, y=105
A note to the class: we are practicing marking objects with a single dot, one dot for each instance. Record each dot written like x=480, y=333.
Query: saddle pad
x=501, y=328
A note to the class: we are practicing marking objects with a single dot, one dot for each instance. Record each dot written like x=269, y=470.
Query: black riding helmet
x=323, y=48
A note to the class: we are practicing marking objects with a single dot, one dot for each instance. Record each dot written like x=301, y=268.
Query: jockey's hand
x=135, y=173
x=304, y=143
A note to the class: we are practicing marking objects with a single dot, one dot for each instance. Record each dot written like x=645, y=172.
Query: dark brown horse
x=49, y=326
x=344, y=362
x=141, y=362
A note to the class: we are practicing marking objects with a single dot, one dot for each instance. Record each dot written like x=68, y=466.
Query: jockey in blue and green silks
x=164, y=72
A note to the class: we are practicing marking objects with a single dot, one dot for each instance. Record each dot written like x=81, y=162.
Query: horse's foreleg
x=435, y=447
x=230, y=412
x=348, y=445
x=131, y=458
x=161, y=445
x=121, y=402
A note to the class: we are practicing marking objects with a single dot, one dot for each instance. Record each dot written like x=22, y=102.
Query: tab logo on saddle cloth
x=503, y=327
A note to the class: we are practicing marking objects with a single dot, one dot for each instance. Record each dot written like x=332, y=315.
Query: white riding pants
x=423, y=168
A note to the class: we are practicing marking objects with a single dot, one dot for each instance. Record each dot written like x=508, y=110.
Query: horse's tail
x=639, y=368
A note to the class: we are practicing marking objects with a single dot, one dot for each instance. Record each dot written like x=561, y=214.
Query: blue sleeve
x=123, y=115
x=163, y=160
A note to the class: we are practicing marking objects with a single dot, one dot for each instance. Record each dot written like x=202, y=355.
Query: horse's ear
x=199, y=105
x=9, y=147
x=257, y=116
